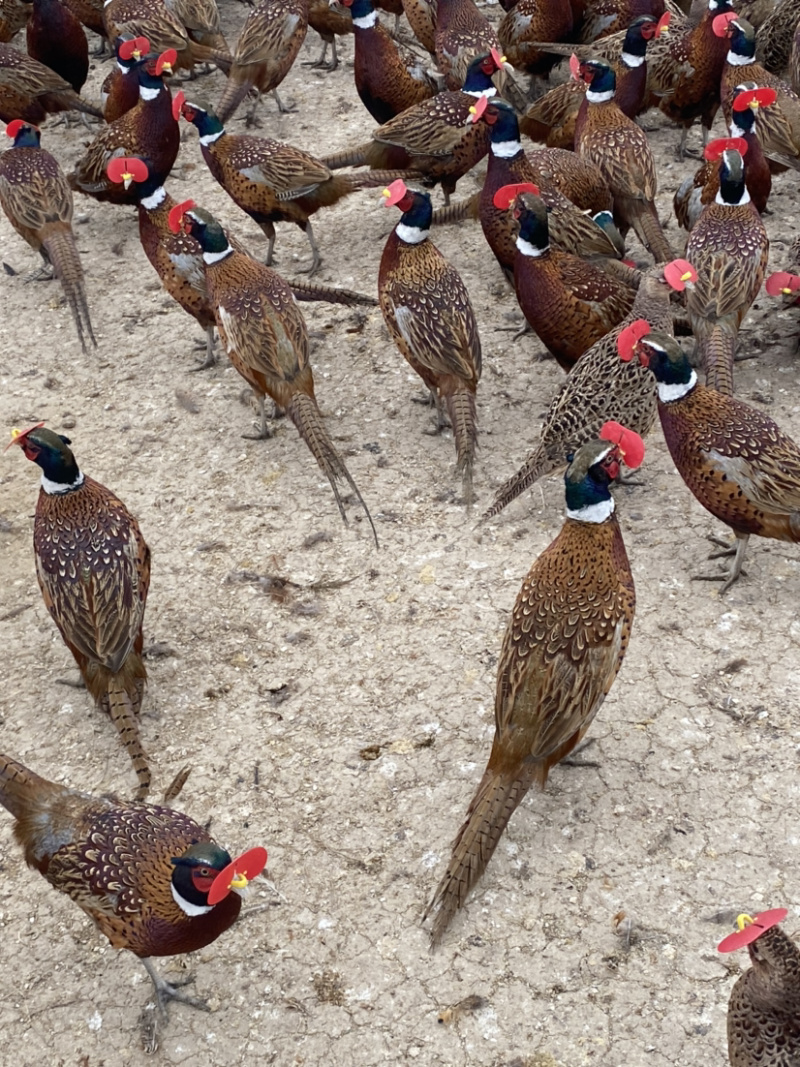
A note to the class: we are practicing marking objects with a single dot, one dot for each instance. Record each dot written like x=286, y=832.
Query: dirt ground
x=336, y=701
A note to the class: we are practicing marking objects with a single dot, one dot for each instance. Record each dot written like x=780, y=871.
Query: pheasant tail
x=462, y=209
x=461, y=409
x=304, y=413
x=492, y=806
x=648, y=230
x=535, y=467
x=330, y=294
x=348, y=157
x=67, y=100
x=62, y=253
x=19, y=787
x=232, y=95
x=715, y=351
x=123, y=710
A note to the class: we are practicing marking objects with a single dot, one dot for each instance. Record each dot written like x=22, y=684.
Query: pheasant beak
x=240, y=881
x=17, y=436
x=127, y=178
x=744, y=920
x=166, y=68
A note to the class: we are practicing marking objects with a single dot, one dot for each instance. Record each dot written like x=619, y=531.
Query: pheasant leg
x=264, y=433
x=166, y=991
x=211, y=358
x=316, y=258
x=738, y=552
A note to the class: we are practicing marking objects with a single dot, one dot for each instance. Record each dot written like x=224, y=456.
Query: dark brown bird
x=441, y=138
x=266, y=338
x=38, y=203
x=120, y=90
x=151, y=879
x=570, y=229
x=274, y=182
x=604, y=18
x=570, y=303
x=329, y=20
x=31, y=91
x=528, y=22
x=56, y=38
x=564, y=645
x=90, y=14
x=93, y=567
x=427, y=310
x=149, y=130
x=697, y=191
x=621, y=150
x=685, y=67
x=729, y=247
x=764, y=1005
x=152, y=19
x=267, y=47
x=600, y=387
x=388, y=80
x=735, y=460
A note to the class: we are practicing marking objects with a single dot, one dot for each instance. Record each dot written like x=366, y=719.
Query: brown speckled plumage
x=148, y=130
x=605, y=18
x=427, y=309
x=13, y=16
x=530, y=21
x=267, y=47
x=31, y=91
x=599, y=387
x=563, y=647
x=93, y=566
x=621, y=150
x=421, y=15
x=435, y=138
x=276, y=182
x=265, y=336
x=38, y=203
x=729, y=248
x=153, y=20
x=764, y=1005
x=462, y=33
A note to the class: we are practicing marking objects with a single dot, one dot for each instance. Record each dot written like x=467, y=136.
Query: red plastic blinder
x=507, y=194
x=630, y=337
x=763, y=922
x=627, y=441
x=250, y=864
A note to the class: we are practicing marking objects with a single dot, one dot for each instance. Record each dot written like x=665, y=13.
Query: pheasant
x=150, y=129
x=266, y=339
x=685, y=68
x=621, y=150
x=151, y=879
x=200, y=19
x=120, y=90
x=31, y=91
x=775, y=36
x=605, y=18
x=267, y=47
x=570, y=229
x=764, y=1005
x=441, y=137
x=153, y=19
x=569, y=303
x=388, y=81
x=563, y=647
x=427, y=310
x=698, y=191
x=421, y=15
x=553, y=116
x=93, y=566
x=601, y=387
x=729, y=247
x=274, y=182
x=13, y=16
x=329, y=21
x=462, y=34
x=37, y=201
x=90, y=14
x=735, y=460
x=529, y=22
x=56, y=38
x=779, y=128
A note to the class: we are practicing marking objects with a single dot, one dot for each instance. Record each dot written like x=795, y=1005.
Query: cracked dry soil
x=336, y=702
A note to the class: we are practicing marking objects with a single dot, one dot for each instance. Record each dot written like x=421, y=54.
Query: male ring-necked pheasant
x=93, y=566
x=729, y=247
x=736, y=461
x=622, y=152
x=569, y=303
x=273, y=181
x=266, y=339
x=38, y=203
x=764, y=1005
x=427, y=309
x=151, y=879
x=564, y=645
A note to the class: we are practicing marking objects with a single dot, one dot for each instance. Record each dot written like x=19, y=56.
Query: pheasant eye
x=203, y=878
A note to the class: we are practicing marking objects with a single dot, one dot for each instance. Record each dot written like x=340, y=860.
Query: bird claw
x=41, y=274
x=726, y=577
